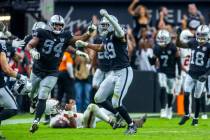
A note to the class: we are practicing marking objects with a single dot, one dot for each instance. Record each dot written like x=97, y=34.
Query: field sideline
x=154, y=129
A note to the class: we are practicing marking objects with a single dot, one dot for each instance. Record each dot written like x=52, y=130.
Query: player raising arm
x=46, y=48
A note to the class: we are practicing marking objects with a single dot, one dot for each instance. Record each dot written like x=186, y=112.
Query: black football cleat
x=131, y=130
x=34, y=127
x=194, y=122
x=139, y=122
x=118, y=122
x=184, y=120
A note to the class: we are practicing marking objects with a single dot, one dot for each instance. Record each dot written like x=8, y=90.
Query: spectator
x=131, y=41
x=140, y=16
x=163, y=22
x=143, y=51
x=82, y=84
x=66, y=79
x=194, y=15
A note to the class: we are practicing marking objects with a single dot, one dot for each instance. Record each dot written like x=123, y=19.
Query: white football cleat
x=169, y=113
x=204, y=116
x=163, y=113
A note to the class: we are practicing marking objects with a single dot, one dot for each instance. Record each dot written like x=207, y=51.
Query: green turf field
x=154, y=129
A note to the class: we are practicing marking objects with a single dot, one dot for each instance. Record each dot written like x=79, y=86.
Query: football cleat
x=184, y=120
x=194, y=122
x=204, y=116
x=34, y=127
x=169, y=113
x=163, y=113
x=131, y=130
x=139, y=123
x=118, y=122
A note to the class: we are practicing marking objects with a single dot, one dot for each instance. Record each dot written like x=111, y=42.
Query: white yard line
x=29, y=120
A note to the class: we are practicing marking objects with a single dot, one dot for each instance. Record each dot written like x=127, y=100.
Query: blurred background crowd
x=75, y=81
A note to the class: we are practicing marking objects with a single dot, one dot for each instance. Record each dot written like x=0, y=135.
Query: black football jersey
x=199, y=58
x=51, y=48
x=167, y=59
x=3, y=48
x=116, y=52
x=102, y=63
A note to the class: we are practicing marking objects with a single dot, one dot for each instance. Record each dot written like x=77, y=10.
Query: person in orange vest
x=66, y=78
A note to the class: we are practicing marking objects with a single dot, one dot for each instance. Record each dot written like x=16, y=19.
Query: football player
x=69, y=118
x=118, y=81
x=198, y=71
x=7, y=100
x=102, y=64
x=46, y=48
x=167, y=56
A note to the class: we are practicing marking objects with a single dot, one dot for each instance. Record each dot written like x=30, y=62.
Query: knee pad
x=98, y=99
x=92, y=107
x=44, y=92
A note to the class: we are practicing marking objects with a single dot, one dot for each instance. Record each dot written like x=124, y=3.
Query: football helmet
x=38, y=25
x=105, y=27
x=185, y=36
x=22, y=88
x=52, y=107
x=163, y=38
x=202, y=34
x=57, y=24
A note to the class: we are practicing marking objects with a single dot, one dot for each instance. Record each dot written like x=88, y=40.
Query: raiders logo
x=204, y=49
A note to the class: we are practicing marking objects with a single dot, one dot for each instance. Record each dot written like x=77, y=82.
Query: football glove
x=18, y=43
x=103, y=12
x=34, y=54
x=80, y=53
x=80, y=44
x=92, y=29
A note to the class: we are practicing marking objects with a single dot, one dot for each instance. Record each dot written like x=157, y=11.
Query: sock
x=203, y=103
x=123, y=112
x=7, y=113
x=100, y=114
x=170, y=98
x=41, y=105
x=197, y=107
x=186, y=103
x=162, y=97
x=47, y=117
x=107, y=105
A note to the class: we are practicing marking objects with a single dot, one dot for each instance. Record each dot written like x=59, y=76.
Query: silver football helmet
x=22, y=88
x=38, y=25
x=57, y=24
x=185, y=36
x=163, y=38
x=105, y=27
x=202, y=34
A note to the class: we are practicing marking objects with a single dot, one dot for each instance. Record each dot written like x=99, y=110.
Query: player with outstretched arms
x=46, y=48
